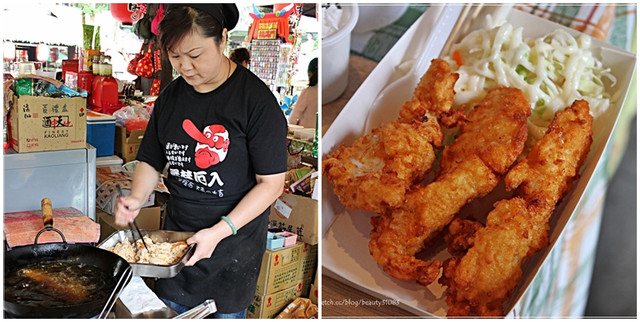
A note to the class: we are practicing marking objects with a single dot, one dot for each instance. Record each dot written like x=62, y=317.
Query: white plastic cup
x=375, y=16
x=335, y=57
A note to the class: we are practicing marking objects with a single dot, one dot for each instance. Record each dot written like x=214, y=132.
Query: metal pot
x=106, y=261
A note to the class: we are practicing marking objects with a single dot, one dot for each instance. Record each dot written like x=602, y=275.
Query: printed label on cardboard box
x=280, y=269
x=45, y=123
x=309, y=260
x=268, y=306
x=283, y=209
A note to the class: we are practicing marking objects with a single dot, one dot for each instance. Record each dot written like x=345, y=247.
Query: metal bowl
x=150, y=270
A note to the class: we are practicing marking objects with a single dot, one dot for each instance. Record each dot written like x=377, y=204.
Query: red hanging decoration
x=128, y=13
x=278, y=18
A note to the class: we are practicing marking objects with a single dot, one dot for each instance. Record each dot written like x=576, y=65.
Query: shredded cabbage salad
x=552, y=71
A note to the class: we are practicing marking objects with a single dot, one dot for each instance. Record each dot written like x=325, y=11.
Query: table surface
x=339, y=299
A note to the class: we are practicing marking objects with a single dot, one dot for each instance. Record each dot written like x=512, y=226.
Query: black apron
x=230, y=276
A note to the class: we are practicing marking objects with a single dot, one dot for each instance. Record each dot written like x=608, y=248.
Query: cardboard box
x=39, y=123
x=269, y=306
x=126, y=146
x=101, y=130
x=309, y=260
x=148, y=218
x=308, y=267
x=296, y=214
x=280, y=269
x=313, y=293
x=306, y=287
x=313, y=290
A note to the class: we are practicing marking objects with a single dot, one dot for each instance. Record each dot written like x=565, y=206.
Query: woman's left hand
x=206, y=241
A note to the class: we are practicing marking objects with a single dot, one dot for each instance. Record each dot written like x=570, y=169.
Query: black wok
x=104, y=260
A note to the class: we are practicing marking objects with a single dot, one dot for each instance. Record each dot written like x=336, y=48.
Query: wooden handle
x=47, y=212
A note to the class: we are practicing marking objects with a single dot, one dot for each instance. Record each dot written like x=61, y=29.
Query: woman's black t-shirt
x=214, y=144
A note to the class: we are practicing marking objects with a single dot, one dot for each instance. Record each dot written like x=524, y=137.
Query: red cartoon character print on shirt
x=212, y=146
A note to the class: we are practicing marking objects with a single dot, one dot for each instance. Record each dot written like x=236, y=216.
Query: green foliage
x=92, y=8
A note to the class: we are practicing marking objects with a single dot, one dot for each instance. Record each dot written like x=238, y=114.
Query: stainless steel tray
x=149, y=270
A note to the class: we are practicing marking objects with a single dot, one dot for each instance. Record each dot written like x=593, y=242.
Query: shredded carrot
x=457, y=57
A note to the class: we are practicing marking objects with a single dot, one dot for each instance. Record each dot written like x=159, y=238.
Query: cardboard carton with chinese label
x=268, y=306
x=296, y=214
x=39, y=123
x=280, y=269
x=309, y=260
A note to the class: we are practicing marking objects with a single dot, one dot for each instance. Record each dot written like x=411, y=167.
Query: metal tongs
x=200, y=311
x=134, y=224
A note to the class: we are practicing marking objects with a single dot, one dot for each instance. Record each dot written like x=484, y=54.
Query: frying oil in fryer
x=53, y=284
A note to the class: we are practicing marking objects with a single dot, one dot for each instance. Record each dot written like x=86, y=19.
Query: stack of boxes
x=288, y=272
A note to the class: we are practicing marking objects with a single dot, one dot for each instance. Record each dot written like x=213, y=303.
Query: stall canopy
x=50, y=24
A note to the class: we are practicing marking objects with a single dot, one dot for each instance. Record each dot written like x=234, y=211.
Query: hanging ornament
x=128, y=13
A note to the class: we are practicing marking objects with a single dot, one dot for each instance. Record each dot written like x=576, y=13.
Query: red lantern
x=127, y=13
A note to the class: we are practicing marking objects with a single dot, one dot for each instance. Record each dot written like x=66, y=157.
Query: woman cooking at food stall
x=223, y=136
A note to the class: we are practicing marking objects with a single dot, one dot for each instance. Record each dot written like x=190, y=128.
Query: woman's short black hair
x=312, y=70
x=208, y=19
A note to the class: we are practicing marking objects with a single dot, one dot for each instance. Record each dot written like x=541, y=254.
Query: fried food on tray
x=487, y=144
x=377, y=169
x=553, y=163
x=461, y=234
x=434, y=90
x=160, y=253
x=493, y=131
x=480, y=281
x=375, y=172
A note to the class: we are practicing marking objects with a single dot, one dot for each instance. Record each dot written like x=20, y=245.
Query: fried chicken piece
x=435, y=94
x=480, y=281
x=126, y=250
x=492, y=131
x=166, y=253
x=461, y=235
x=469, y=170
x=69, y=288
x=553, y=163
x=159, y=253
x=375, y=172
x=435, y=86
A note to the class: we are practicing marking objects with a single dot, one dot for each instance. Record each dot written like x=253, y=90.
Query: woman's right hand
x=145, y=178
x=127, y=208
